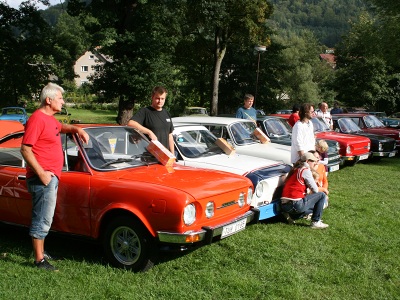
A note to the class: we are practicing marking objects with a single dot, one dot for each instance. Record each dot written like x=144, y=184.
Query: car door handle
x=21, y=177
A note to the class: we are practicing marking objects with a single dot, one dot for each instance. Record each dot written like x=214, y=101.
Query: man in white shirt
x=303, y=138
x=325, y=114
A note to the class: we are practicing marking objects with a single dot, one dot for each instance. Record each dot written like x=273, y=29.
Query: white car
x=239, y=133
x=196, y=147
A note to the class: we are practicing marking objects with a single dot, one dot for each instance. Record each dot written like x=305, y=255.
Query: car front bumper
x=385, y=154
x=206, y=234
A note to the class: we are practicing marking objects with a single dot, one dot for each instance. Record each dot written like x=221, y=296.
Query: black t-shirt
x=157, y=121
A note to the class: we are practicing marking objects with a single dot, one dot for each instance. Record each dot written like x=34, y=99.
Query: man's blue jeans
x=43, y=205
x=312, y=203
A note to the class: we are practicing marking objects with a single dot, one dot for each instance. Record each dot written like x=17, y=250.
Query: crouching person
x=295, y=202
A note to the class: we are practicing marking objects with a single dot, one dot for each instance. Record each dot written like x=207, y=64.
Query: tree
x=70, y=42
x=223, y=22
x=301, y=58
x=25, y=52
x=368, y=68
x=134, y=35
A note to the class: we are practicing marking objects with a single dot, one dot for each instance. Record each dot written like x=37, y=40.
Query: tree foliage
x=226, y=22
x=25, y=48
x=368, y=65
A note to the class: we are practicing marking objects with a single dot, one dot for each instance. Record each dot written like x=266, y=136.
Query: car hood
x=235, y=163
x=200, y=182
x=341, y=137
x=272, y=151
x=376, y=137
x=390, y=132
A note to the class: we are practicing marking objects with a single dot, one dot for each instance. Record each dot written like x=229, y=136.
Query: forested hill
x=327, y=19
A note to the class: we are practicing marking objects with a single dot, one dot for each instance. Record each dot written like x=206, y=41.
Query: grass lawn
x=93, y=116
x=357, y=257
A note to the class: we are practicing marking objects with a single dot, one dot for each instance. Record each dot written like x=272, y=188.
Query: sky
x=16, y=3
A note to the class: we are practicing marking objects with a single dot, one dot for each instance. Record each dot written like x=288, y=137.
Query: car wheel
x=128, y=245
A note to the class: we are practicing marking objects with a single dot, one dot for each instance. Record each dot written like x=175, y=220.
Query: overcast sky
x=16, y=3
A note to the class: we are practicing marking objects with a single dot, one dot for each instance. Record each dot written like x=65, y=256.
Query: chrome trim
x=180, y=238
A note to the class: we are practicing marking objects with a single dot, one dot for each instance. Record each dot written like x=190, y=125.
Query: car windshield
x=195, y=143
x=348, y=126
x=319, y=125
x=277, y=127
x=196, y=111
x=12, y=111
x=115, y=147
x=242, y=133
x=372, y=121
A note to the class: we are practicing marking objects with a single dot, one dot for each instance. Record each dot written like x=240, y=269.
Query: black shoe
x=45, y=265
x=47, y=256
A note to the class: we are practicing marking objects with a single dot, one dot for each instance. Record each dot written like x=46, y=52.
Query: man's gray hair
x=50, y=91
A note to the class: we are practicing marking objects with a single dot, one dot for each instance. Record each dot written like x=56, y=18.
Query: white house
x=86, y=66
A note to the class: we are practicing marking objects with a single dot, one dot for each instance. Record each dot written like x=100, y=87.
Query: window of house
x=84, y=68
x=91, y=56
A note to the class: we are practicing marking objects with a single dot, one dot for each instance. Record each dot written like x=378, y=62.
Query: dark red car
x=370, y=123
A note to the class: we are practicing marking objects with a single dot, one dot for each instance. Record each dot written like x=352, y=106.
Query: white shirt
x=303, y=139
x=326, y=116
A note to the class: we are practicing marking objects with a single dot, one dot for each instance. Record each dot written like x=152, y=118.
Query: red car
x=114, y=191
x=370, y=123
x=353, y=148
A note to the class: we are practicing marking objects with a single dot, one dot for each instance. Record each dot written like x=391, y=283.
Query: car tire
x=128, y=244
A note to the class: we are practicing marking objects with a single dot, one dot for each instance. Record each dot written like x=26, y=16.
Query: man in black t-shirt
x=154, y=121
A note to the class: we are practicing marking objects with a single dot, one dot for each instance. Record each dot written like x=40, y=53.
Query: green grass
x=357, y=257
x=90, y=116
x=93, y=116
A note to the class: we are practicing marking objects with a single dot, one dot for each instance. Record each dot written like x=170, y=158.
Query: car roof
x=208, y=120
x=8, y=127
x=262, y=118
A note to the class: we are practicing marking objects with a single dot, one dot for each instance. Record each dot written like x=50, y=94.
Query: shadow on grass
x=15, y=242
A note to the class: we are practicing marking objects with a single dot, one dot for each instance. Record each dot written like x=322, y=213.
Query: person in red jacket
x=295, y=202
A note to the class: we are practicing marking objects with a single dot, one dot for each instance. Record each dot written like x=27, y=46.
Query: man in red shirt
x=42, y=151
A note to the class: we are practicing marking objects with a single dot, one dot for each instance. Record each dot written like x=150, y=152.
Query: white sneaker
x=318, y=225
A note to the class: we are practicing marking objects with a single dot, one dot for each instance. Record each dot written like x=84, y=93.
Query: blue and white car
x=196, y=147
x=14, y=113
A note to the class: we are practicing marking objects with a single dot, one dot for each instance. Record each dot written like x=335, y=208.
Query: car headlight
x=259, y=189
x=380, y=147
x=241, y=199
x=348, y=149
x=369, y=146
x=210, y=208
x=189, y=214
x=249, y=195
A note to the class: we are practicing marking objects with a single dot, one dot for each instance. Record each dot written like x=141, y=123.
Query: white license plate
x=391, y=154
x=334, y=168
x=233, y=228
x=365, y=156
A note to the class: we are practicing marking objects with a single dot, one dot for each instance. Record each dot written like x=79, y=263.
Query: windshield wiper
x=118, y=160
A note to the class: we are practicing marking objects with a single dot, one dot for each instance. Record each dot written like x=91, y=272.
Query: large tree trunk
x=220, y=49
x=125, y=110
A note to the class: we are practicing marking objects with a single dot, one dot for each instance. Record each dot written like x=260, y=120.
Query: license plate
x=365, y=156
x=233, y=228
x=391, y=154
x=334, y=168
